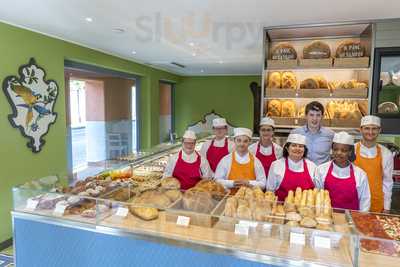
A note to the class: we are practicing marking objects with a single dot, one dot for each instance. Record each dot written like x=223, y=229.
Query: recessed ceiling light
x=201, y=70
x=134, y=52
x=88, y=19
x=220, y=62
x=191, y=44
x=118, y=30
x=194, y=54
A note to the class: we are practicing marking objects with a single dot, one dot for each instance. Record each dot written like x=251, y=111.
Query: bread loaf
x=170, y=183
x=274, y=108
x=198, y=201
x=283, y=51
x=289, y=80
x=322, y=82
x=144, y=213
x=288, y=109
x=310, y=83
x=350, y=49
x=275, y=80
x=316, y=50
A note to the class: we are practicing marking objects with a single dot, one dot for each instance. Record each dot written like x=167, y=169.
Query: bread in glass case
x=283, y=51
x=316, y=50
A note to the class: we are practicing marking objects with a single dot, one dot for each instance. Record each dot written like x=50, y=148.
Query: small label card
x=183, y=221
x=248, y=223
x=59, y=210
x=122, y=212
x=241, y=229
x=31, y=204
x=297, y=238
x=322, y=242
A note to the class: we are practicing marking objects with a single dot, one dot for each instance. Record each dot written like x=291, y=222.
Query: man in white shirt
x=187, y=165
x=241, y=168
x=377, y=161
x=220, y=146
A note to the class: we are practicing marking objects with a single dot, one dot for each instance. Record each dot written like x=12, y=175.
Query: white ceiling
x=226, y=34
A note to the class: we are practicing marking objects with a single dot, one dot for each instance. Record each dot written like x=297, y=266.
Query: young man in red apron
x=266, y=150
x=220, y=146
x=293, y=170
x=377, y=161
x=187, y=165
x=347, y=184
x=241, y=168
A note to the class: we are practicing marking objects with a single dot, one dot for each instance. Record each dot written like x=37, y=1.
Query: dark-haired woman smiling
x=347, y=184
x=293, y=170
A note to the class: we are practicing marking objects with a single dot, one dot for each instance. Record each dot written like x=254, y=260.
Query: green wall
x=18, y=163
x=229, y=96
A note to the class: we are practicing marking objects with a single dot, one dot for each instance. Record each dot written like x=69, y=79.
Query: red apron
x=343, y=192
x=188, y=174
x=266, y=160
x=215, y=154
x=291, y=180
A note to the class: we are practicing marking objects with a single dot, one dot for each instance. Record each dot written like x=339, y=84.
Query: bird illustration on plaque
x=32, y=99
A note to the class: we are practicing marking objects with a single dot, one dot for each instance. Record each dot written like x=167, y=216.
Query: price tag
x=241, y=229
x=31, y=204
x=322, y=242
x=59, y=210
x=183, y=221
x=248, y=223
x=297, y=239
x=122, y=212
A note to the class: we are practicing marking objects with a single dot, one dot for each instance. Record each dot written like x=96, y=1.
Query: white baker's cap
x=189, y=135
x=242, y=131
x=219, y=122
x=267, y=121
x=297, y=139
x=370, y=120
x=343, y=138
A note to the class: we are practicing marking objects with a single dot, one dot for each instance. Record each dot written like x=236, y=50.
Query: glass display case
x=325, y=63
x=386, y=88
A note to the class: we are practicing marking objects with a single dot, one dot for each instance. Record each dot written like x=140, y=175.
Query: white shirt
x=387, y=167
x=278, y=168
x=224, y=168
x=204, y=166
x=266, y=151
x=364, y=196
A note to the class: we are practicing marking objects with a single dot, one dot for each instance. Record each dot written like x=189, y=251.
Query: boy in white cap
x=377, y=161
x=347, y=184
x=266, y=150
x=293, y=170
x=241, y=168
x=187, y=165
x=220, y=146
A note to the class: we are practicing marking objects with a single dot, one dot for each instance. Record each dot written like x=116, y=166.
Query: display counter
x=139, y=220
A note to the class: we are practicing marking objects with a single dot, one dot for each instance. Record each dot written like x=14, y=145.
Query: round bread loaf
x=198, y=201
x=289, y=80
x=350, y=49
x=275, y=80
x=283, y=51
x=322, y=82
x=317, y=50
x=153, y=198
x=274, y=108
x=310, y=83
x=214, y=188
x=170, y=183
x=288, y=109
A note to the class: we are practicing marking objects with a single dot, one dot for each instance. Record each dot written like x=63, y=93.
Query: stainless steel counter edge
x=200, y=246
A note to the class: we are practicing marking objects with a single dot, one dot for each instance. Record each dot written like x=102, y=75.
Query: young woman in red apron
x=350, y=191
x=282, y=178
x=266, y=131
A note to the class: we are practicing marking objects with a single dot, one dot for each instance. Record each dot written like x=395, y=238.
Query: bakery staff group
x=357, y=175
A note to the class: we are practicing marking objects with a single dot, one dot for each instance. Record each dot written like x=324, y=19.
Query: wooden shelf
x=361, y=94
x=315, y=64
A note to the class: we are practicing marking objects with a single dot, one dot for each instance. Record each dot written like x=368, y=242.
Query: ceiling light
x=220, y=62
x=191, y=44
x=194, y=54
x=118, y=30
x=134, y=52
x=201, y=70
x=88, y=19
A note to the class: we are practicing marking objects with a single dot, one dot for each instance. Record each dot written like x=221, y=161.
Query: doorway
x=102, y=117
x=166, y=127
